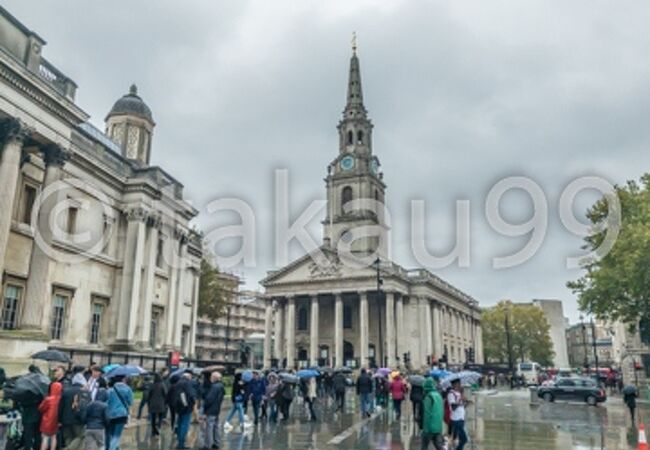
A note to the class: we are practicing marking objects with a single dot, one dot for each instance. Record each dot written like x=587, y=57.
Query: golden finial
x=354, y=42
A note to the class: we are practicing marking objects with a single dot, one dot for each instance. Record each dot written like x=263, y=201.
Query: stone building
x=631, y=351
x=96, y=252
x=322, y=310
x=580, y=345
x=222, y=339
x=555, y=317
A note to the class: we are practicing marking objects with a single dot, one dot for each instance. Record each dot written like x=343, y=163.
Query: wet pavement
x=497, y=420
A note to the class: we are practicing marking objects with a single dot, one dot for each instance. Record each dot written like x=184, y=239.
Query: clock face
x=347, y=163
x=374, y=166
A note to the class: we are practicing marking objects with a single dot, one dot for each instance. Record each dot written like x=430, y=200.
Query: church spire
x=355, y=94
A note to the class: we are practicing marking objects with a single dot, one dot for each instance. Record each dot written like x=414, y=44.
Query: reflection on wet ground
x=501, y=421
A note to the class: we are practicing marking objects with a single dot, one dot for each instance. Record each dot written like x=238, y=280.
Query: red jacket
x=397, y=389
x=49, y=409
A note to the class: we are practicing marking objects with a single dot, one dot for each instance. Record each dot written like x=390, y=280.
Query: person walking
x=31, y=418
x=308, y=388
x=286, y=397
x=144, y=401
x=629, y=398
x=171, y=398
x=49, y=409
x=95, y=419
x=416, y=395
x=237, y=404
x=270, y=397
x=255, y=389
x=457, y=403
x=211, y=408
x=364, y=389
x=339, y=386
x=397, y=391
x=157, y=404
x=185, y=398
x=430, y=416
x=72, y=427
x=120, y=399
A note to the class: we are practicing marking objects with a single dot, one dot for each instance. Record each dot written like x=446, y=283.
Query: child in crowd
x=95, y=419
x=49, y=409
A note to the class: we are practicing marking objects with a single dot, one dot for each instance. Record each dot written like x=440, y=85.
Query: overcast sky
x=462, y=94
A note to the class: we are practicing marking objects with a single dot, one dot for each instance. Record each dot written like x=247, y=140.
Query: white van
x=529, y=371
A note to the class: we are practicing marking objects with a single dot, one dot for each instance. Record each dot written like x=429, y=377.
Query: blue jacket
x=95, y=415
x=256, y=389
x=213, y=400
x=119, y=407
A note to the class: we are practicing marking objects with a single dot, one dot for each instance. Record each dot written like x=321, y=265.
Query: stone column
x=422, y=324
x=313, y=332
x=291, y=332
x=278, y=342
x=155, y=224
x=437, y=331
x=479, y=344
x=268, y=324
x=131, y=276
x=390, y=328
x=363, y=329
x=12, y=135
x=338, y=330
x=196, y=277
x=36, y=312
x=429, y=326
x=399, y=327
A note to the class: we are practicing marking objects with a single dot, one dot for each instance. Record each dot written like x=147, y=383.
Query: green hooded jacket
x=432, y=409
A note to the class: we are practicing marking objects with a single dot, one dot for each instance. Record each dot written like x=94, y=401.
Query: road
x=502, y=420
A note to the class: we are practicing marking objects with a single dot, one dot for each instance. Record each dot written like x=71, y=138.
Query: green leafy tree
x=530, y=337
x=617, y=286
x=212, y=295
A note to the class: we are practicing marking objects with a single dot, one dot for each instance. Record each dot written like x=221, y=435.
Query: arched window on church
x=346, y=196
x=302, y=319
x=359, y=137
x=350, y=137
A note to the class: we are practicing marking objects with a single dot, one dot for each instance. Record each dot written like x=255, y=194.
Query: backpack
x=287, y=392
x=81, y=400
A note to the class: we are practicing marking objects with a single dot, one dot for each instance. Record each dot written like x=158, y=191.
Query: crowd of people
x=86, y=408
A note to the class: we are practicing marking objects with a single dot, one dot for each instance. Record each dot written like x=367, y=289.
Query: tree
x=617, y=285
x=529, y=334
x=212, y=295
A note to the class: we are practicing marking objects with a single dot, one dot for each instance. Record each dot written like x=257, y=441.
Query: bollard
x=534, y=399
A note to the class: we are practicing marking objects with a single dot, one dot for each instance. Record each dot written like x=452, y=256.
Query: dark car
x=576, y=389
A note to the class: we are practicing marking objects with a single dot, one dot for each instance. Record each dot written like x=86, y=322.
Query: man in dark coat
x=364, y=389
x=339, y=385
x=211, y=408
x=157, y=404
x=184, y=400
x=72, y=426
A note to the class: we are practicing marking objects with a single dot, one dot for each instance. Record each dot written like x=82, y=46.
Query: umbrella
x=416, y=380
x=108, y=367
x=288, y=378
x=629, y=390
x=465, y=377
x=52, y=355
x=213, y=368
x=27, y=389
x=307, y=373
x=439, y=373
x=247, y=376
x=378, y=375
x=343, y=370
x=384, y=371
x=126, y=371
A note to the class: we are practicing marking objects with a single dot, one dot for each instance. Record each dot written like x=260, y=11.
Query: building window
x=359, y=137
x=159, y=252
x=185, y=335
x=96, y=322
x=302, y=319
x=27, y=204
x=58, y=316
x=347, y=317
x=346, y=196
x=71, y=225
x=10, y=305
x=350, y=138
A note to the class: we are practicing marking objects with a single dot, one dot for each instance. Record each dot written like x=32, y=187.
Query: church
x=323, y=311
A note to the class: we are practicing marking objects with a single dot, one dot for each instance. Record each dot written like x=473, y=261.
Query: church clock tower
x=354, y=174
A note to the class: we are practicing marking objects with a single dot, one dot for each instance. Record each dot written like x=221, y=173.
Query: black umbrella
x=51, y=355
x=629, y=390
x=343, y=370
x=27, y=389
x=289, y=378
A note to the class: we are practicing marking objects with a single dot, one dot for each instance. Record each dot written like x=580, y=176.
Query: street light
x=584, y=343
x=593, y=341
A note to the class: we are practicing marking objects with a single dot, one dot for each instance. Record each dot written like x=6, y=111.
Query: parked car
x=577, y=389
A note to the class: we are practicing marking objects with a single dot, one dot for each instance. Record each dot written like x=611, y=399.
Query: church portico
x=327, y=312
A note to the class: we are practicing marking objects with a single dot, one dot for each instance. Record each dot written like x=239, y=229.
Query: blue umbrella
x=246, y=376
x=108, y=367
x=308, y=373
x=439, y=373
x=126, y=371
x=179, y=372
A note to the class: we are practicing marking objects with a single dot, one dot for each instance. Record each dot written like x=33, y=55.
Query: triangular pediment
x=314, y=266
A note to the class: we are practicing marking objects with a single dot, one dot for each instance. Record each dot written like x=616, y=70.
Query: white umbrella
x=465, y=377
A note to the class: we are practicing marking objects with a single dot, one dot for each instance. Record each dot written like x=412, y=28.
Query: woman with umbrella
x=629, y=397
x=120, y=399
x=308, y=388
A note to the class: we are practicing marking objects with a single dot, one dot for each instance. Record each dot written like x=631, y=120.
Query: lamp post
x=382, y=357
x=584, y=343
x=593, y=341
